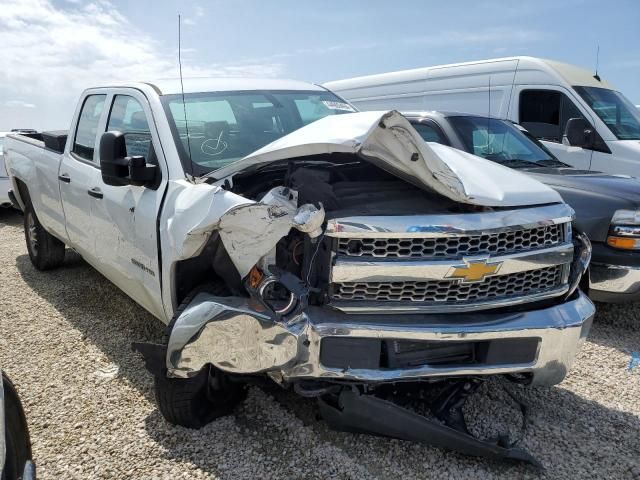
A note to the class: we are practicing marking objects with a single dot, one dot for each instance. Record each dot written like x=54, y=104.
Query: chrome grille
x=453, y=247
x=445, y=291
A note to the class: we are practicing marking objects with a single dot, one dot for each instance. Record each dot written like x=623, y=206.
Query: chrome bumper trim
x=347, y=269
x=614, y=278
x=429, y=226
x=236, y=339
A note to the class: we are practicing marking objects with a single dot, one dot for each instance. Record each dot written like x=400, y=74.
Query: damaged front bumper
x=321, y=343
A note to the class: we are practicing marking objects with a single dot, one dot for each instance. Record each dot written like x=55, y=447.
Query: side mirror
x=578, y=133
x=117, y=168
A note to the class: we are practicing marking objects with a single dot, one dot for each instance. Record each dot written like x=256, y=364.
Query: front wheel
x=45, y=250
x=194, y=402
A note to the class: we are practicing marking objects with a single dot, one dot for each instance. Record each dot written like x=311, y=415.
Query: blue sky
x=58, y=47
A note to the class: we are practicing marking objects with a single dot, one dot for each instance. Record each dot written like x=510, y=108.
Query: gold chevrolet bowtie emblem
x=475, y=271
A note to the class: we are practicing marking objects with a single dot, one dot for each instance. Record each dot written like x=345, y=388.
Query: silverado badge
x=474, y=270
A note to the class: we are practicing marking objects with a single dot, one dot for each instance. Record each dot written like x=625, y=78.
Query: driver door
x=125, y=217
x=544, y=112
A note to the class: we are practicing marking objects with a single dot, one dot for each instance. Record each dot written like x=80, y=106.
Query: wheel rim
x=32, y=233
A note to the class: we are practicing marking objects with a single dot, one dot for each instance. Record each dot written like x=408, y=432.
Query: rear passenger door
x=544, y=112
x=78, y=173
x=125, y=217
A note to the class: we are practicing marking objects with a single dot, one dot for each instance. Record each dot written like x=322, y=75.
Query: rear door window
x=87, y=129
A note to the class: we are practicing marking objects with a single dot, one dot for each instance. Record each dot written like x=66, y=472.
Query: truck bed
x=35, y=159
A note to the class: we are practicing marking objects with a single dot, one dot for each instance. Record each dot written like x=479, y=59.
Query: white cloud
x=18, y=104
x=49, y=55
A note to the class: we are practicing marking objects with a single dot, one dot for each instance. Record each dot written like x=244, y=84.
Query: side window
x=430, y=132
x=545, y=113
x=128, y=117
x=87, y=129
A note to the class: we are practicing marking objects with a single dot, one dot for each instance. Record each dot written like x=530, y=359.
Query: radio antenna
x=184, y=105
x=489, y=116
x=596, y=76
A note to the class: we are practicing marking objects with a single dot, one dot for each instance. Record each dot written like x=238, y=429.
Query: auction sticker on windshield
x=333, y=105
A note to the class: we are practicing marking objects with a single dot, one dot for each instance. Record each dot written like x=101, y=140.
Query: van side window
x=87, y=129
x=545, y=113
x=127, y=116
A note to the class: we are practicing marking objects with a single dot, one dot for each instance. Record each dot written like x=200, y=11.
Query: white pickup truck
x=282, y=235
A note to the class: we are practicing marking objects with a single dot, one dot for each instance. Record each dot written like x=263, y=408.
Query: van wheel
x=194, y=402
x=45, y=250
x=18, y=446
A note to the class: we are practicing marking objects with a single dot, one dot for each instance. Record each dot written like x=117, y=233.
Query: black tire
x=18, y=445
x=194, y=402
x=45, y=250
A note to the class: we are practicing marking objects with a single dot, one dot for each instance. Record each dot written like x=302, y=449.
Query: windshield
x=1, y=143
x=618, y=113
x=226, y=126
x=501, y=142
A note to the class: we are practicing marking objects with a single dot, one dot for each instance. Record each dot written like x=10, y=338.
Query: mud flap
x=357, y=413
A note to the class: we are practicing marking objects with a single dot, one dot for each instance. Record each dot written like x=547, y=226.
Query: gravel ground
x=64, y=340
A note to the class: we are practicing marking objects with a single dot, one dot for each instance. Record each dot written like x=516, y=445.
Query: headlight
x=624, y=232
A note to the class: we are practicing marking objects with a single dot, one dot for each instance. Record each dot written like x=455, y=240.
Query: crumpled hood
x=388, y=140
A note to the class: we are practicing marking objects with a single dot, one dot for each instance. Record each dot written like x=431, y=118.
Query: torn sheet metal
x=388, y=140
x=249, y=232
x=196, y=213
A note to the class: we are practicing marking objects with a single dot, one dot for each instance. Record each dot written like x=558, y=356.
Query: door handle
x=64, y=178
x=95, y=192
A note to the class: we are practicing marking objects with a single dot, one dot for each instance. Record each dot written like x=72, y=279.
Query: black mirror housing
x=113, y=163
x=578, y=133
x=141, y=172
x=117, y=168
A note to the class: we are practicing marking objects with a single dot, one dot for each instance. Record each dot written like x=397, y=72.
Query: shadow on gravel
x=10, y=217
x=104, y=315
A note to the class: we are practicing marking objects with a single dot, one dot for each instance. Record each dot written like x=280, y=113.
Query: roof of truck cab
x=171, y=86
x=572, y=74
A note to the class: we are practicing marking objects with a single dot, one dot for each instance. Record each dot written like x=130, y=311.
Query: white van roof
x=571, y=74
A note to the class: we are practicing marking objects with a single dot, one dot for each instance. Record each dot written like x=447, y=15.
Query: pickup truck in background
x=283, y=236
x=15, y=444
x=607, y=206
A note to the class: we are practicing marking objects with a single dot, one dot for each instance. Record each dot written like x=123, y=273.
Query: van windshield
x=501, y=142
x=618, y=113
x=226, y=126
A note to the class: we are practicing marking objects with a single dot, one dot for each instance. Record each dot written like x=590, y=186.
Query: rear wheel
x=18, y=446
x=196, y=401
x=45, y=250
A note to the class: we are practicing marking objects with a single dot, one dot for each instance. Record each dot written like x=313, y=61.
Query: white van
x=582, y=119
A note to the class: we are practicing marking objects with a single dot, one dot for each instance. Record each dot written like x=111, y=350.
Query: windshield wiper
x=516, y=163
x=551, y=162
